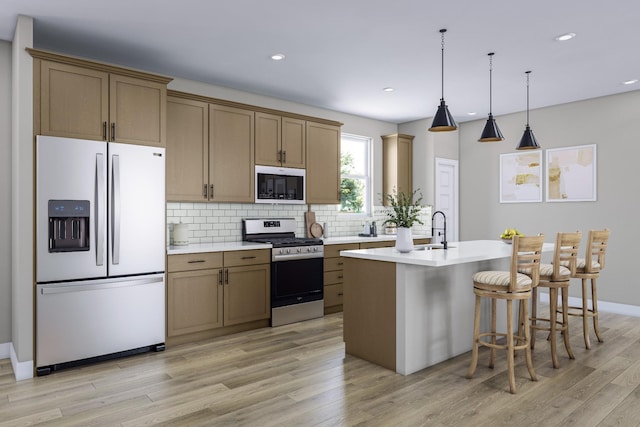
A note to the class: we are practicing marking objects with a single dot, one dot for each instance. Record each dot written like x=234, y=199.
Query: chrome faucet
x=444, y=217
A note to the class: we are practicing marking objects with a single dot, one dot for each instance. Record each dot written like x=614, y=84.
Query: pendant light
x=443, y=121
x=528, y=141
x=491, y=132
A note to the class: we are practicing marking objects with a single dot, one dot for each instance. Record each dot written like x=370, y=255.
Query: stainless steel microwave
x=280, y=185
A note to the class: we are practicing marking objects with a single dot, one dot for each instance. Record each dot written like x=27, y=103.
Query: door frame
x=453, y=219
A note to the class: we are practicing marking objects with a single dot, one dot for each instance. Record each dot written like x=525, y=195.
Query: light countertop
x=358, y=239
x=242, y=246
x=215, y=247
x=458, y=253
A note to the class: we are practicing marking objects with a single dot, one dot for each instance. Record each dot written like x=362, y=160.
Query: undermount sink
x=431, y=246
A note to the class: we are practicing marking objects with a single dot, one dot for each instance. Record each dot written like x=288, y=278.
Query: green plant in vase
x=404, y=212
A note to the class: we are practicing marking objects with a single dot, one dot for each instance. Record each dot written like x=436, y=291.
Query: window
x=355, y=173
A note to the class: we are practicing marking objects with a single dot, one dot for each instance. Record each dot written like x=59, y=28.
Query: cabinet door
x=397, y=161
x=323, y=163
x=194, y=301
x=187, y=150
x=137, y=111
x=74, y=101
x=231, y=163
x=247, y=294
x=293, y=143
x=268, y=139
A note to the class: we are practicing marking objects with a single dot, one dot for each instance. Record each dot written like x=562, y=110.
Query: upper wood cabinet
x=82, y=99
x=231, y=163
x=280, y=141
x=209, y=152
x=323, y=163
x=397, y=164
x=187, y=150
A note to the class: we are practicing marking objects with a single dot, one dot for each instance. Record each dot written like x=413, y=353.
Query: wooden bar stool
x=554, y=276
x=510, y=286
x=587, y=268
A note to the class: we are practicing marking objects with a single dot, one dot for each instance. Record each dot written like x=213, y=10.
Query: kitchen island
x=408, y=311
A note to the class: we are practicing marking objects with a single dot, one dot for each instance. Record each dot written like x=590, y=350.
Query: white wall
x=22, y=200
x=5, y=192
x=612, y=123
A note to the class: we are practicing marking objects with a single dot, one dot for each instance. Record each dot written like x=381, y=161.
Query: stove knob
x=315, y=249
x=298, y=250
x=288, y=251
x=309, y=249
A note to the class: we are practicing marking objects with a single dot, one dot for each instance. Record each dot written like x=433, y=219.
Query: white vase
x=404, y=241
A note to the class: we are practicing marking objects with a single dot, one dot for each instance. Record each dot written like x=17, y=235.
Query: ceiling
x=340, y=54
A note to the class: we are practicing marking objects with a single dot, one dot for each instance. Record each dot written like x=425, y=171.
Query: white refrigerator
x=100, y=250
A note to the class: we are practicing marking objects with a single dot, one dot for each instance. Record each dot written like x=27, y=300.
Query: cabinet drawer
x=250, y=257
x=421, y=241
x=370, y=245
x=331, y=251
x=333, y=264
x=333, y=295
x=198, y=261
x=333, y=277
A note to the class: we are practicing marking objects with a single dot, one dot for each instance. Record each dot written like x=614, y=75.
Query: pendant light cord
x=442, y=61
x=490, y=82
x=527, y=73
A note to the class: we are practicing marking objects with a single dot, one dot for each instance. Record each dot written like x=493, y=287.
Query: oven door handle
x=290, y=257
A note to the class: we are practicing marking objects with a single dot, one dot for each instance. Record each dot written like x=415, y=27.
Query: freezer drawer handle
x=46, y=290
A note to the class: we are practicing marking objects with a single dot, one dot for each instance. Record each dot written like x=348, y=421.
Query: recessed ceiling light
x=278, y=57
x=630, y=82
x=388, y=89
x=565, y=37
x=471, y=113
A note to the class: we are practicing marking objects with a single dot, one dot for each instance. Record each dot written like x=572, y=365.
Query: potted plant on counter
x=404, y=212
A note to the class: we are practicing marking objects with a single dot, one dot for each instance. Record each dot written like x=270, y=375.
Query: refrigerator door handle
x=100, y=219
x=115, y=210
x=48, y=290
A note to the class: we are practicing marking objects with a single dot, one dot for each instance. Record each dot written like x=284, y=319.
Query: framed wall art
x=571, y=174
x=521, y=177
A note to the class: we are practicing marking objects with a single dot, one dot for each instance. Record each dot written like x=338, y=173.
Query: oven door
x=296, y=281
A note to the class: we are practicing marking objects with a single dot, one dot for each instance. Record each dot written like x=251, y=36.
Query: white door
x=446, y=198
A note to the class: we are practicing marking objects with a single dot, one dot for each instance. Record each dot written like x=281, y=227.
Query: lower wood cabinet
x=208, y=291
x=334, y=269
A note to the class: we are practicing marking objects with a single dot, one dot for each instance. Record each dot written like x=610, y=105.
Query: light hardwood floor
x=298, y=375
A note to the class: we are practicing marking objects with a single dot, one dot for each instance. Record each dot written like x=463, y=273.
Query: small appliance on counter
x=180, y=234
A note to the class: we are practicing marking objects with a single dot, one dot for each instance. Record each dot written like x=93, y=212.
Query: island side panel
x=369, y=307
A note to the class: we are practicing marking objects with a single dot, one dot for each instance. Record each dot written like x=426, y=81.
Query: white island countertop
x=458, y=253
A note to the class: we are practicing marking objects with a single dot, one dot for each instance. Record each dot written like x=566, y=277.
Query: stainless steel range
x=296, y=269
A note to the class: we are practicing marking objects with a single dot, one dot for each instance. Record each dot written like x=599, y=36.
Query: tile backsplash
x=221, y=222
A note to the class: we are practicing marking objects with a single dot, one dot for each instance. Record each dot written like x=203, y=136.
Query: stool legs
x=492, y=350
x=476, y=337
x=594, y=305
x=510, y=349
x=565, y=321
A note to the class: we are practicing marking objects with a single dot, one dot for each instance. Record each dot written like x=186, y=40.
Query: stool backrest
x=565, y=253
x=527, y=251
x=596, y=249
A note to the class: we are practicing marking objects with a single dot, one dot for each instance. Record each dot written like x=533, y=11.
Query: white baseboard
x=21, y=370
x=5, y=350
x=604, y=306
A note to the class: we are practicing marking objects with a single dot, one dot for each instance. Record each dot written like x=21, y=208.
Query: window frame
x=367, y=178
